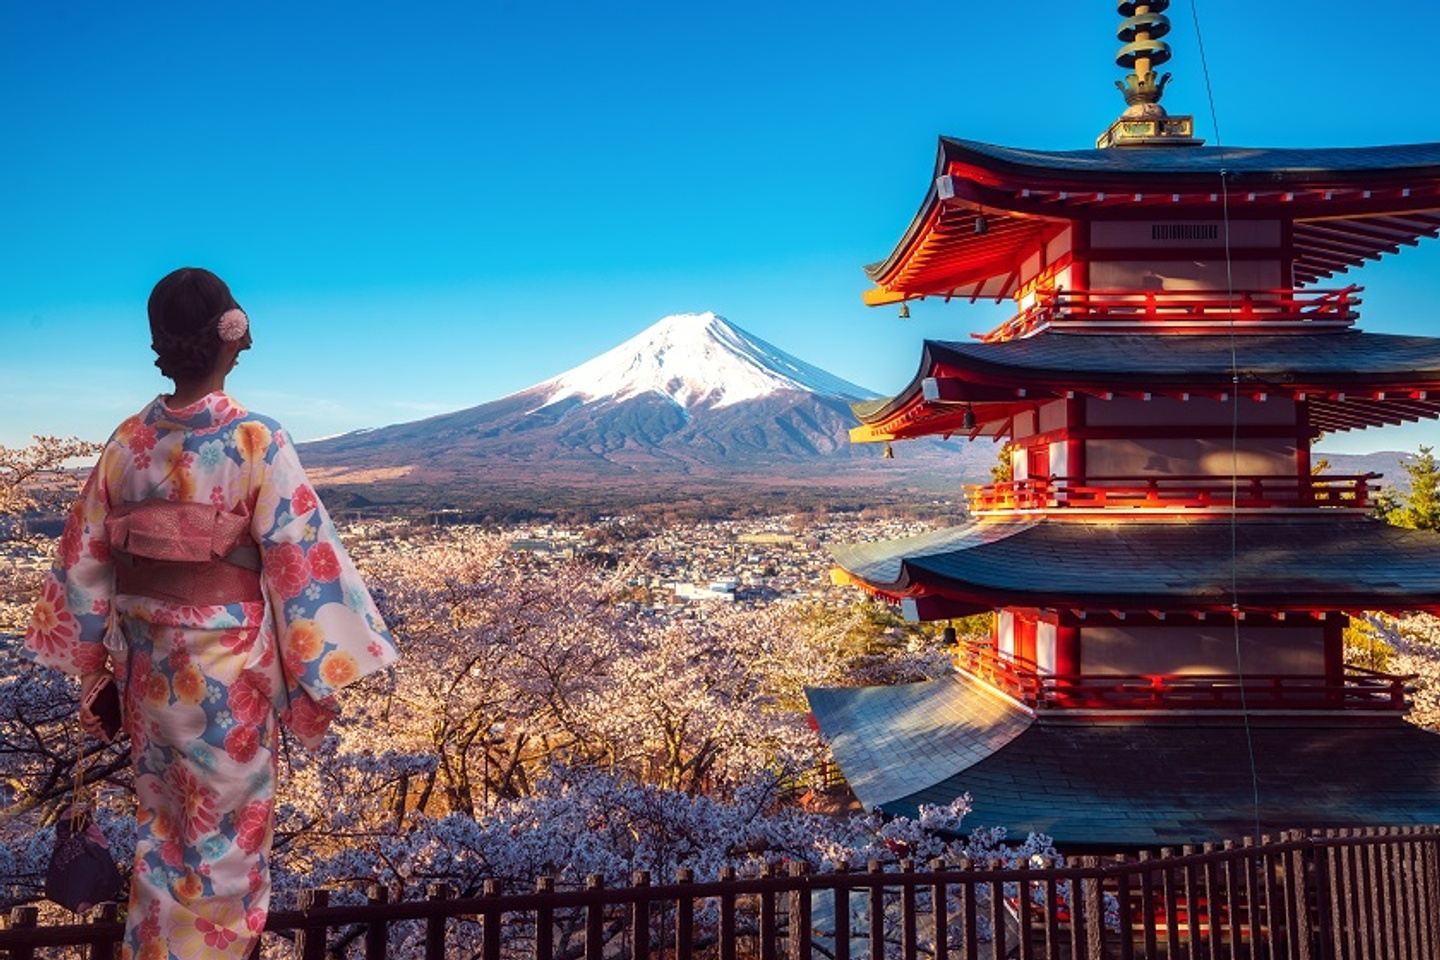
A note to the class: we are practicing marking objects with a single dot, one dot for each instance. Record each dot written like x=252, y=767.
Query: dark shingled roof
x=1294, y=561
x=1272, y=170
x=894, y=740
x=1335, y=359
x=1289, y=164
x=1121, y=785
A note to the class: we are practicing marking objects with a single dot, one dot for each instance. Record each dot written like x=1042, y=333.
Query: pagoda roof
x=1278, y=564
x=993, y=377
x=1119, y=783
x=1349, y=205
x=1134, y=785
x=1293, y=165
x=902, y=738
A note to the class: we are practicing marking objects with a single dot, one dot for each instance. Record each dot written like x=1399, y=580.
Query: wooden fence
x=1371, y=894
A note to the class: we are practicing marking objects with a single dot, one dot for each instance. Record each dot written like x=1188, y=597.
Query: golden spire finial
x=1140, y=32
x=1144, y=120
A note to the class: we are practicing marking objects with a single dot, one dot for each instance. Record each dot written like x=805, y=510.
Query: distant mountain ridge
x=693, y=395
x=1389, y=463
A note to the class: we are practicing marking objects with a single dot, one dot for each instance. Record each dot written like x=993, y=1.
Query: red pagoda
x=1170, y=576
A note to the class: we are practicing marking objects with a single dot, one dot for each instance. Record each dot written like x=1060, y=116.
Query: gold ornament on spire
x=1145, y=122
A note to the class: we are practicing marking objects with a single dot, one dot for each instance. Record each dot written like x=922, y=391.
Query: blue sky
x=426, y=206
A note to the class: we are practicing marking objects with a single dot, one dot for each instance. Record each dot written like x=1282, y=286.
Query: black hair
x=184, y=333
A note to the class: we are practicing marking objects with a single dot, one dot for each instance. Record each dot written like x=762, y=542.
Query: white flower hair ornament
x=232, y=325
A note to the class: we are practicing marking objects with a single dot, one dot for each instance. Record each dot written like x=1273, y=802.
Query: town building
x=1170, y=577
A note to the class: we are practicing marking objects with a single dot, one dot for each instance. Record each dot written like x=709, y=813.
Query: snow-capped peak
x=695, y=359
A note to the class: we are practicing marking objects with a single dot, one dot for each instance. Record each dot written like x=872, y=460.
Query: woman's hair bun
x=183, y=310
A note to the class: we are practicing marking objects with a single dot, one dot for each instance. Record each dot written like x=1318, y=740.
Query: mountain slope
x=693, y=395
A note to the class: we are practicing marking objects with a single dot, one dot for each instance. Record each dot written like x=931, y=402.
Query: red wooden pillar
x=1075, y=439
x=1302, y=451
x=1067, y=648
x=1025, y=638
x=1335, y=648
x=1080, y=256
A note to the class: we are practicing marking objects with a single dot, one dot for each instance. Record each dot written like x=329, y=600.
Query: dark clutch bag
x=81, y=873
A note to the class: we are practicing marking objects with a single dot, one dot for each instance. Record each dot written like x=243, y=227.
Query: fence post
x=1090, y=889
x=544, y=921
x=1342, y=895
x=1300, y=894
x=1169, y=890
x=1211, y=872
x=1404, y=944
x=1191, y=873
x=1430, y=871
x=1024, y=913
x=997, y=912
x=684, y=915
x=23, y=918
x=939, y=911
x=1147, y=905
x=907, y=911
x=1232, y=896
x=1385, y=887
x=640, y=914
x=1052, y=910
x=594, y=918
x=727, y=916
x=1371, y=854
x=841, y=895
x=1405, y=863
x=769, y=934
x=490, y=920
x=435, y=925
x=800, y=907
x=1319, y=852
x=104, y=948
x=310, y=939
x=1353, y=856
x=1126, y=917
x=877, y=910
x=377, y=932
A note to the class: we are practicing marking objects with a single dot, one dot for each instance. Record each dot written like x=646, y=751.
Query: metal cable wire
x=1234, y=427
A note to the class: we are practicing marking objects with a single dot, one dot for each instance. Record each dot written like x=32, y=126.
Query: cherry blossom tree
x=32, y=476
x=542, y=722
x=39, y=739
x=1413, y=644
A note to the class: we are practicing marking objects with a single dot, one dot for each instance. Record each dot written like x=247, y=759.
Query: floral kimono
x=205, y=683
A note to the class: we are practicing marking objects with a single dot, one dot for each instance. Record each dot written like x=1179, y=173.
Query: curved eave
x=1293, y=564
x=1147, y=785
x=992, y=381
x=1350, y=205
x=989, y=396
x=996, y=165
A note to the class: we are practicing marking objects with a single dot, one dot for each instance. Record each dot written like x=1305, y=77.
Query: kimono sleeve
x=68, y=624
x=327, y=629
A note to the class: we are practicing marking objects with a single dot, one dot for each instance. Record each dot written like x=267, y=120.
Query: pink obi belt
x=192, y=554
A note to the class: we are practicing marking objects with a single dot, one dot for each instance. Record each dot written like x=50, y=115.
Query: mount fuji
x=692, y=396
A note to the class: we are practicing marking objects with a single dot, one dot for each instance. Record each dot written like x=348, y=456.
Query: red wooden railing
x=1198, y=311
x=1191, y=491
x=1357, y=689
x=1371, y=893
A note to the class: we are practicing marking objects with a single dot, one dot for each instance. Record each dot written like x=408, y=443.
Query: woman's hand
x=88, y=720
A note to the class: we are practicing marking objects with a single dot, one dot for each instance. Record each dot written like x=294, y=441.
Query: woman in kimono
x=199, y=566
